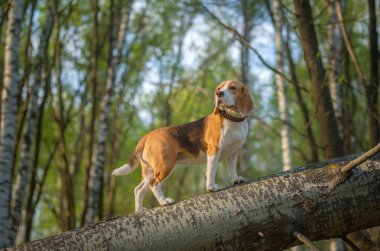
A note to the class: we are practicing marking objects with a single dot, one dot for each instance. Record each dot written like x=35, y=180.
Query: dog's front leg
x=232, y=174
x=212, y=165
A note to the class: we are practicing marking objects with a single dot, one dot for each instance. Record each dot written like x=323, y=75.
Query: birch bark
x=22, y=177
x=261, y=215
x=335, y=48
x=11, y=83
x=286, y=145
x=247, y=11
x=94, y=101
x=96, y=172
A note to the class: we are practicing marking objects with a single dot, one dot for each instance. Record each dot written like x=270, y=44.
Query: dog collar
x=232, y=118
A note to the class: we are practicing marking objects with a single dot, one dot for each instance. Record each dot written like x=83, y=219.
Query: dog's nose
x=220, y=93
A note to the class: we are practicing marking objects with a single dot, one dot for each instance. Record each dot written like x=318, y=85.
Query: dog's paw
x=213, y=188
x=167, y=201
x=140, y=209
x=238, y=180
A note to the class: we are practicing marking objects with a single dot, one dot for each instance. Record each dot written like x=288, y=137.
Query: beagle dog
x=218, y=136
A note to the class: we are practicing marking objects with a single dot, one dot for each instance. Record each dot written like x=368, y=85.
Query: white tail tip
x=125, y=169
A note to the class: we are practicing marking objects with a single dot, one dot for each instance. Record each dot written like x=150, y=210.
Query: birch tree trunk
x=94, y=58
x=247, y=11
x=8, y=113
x=95, y=47
x=335, y=47
x=331, y=141
x=246, y=8
x=96, y=172
x=335, y=43
x=66, y=213
x=281, y=92
x=35, y=187
x=286, y=146
x=261, y=215
x=22, y=177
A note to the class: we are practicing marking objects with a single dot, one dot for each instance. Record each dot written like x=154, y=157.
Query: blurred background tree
x=82, y=81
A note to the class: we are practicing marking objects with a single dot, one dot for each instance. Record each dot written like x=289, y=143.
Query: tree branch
x=361, y=159
x=305, y=241
x=344, y=172
x=348, y=45
x=350, y=243
x=244, y=42
x=261, y=215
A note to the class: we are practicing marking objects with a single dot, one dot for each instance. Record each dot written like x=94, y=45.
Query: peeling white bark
x=261, y=215
x=8, y=113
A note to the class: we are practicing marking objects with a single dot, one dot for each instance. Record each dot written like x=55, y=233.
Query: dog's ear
x=216, y=108
x=244, y=103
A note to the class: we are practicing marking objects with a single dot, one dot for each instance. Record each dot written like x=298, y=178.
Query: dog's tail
x=133, y=161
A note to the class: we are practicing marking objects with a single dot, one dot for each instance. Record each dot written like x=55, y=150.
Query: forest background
x=82, y=81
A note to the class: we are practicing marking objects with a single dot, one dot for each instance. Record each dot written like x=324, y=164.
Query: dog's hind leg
x=157, y=191
x=142, y=188
x=160, y=176
x=161, y=154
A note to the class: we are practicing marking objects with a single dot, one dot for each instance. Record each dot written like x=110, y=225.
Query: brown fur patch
x=164, y=145
x=190, y=137
x=212, y=133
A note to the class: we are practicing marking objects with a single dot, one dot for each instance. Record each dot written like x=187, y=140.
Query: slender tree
x=247, y=11
x=36, y=185
x=66, y=213
x=22, y=106
x=372, y=89
x=335, y=68
x=311, y=139
x=94, y=58
x=24, y=170
x=96, y=174
x=300, y=100
x=331, y=141
x=8, y=113
x=286, y=145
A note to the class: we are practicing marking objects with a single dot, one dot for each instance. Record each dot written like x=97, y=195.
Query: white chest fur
x=233, y=136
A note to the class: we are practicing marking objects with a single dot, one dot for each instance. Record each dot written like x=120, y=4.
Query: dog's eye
x=233, y=88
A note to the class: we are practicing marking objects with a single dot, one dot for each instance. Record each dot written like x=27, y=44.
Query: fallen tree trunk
x=261, y=215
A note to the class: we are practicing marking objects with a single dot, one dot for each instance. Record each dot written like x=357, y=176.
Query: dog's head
x=233, y=96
